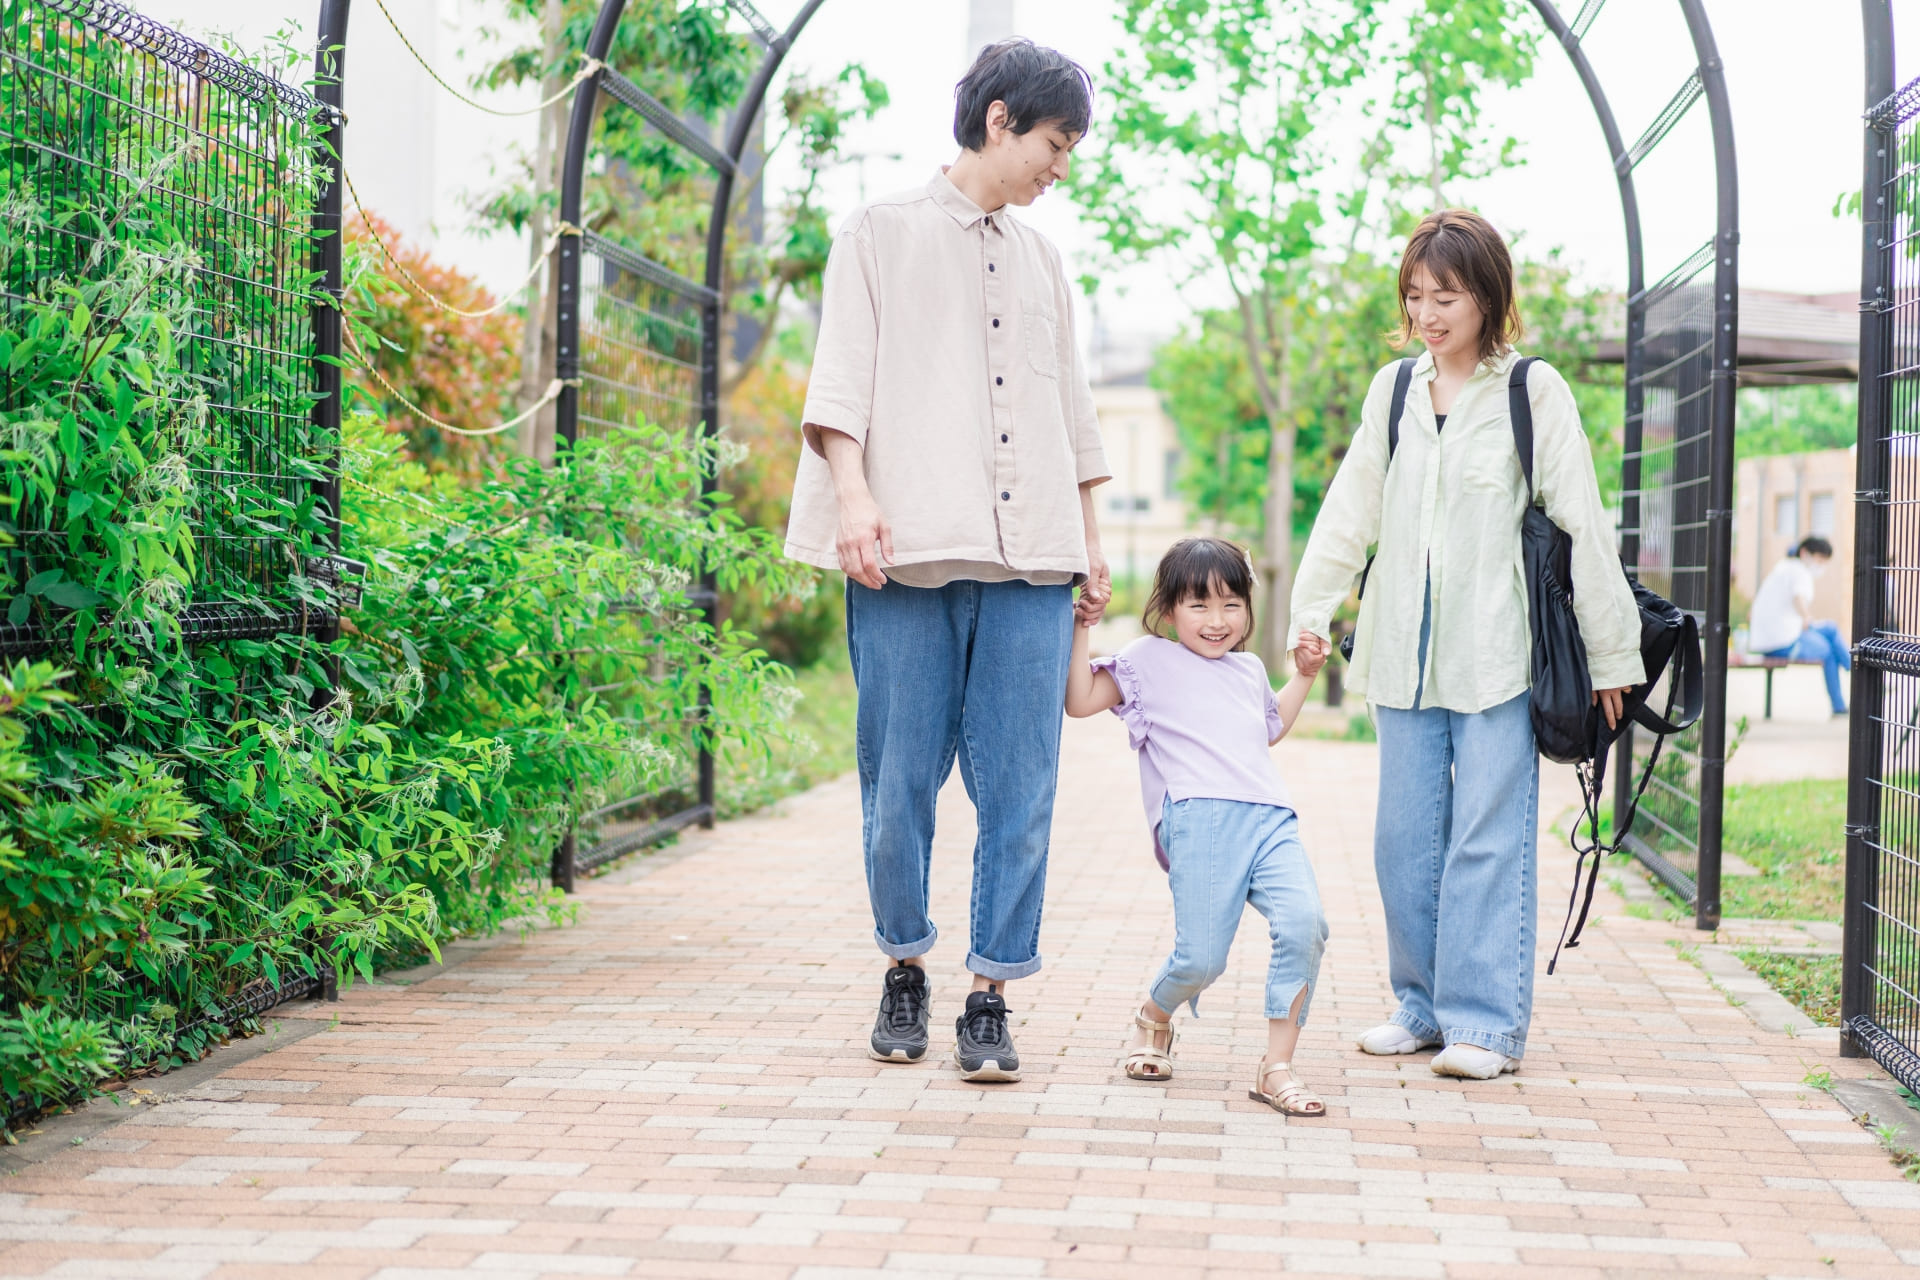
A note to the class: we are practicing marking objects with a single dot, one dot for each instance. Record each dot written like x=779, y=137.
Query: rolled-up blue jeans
x=973, y=671
x=1454, y=850
x=1221, y=856
x=1821, y=643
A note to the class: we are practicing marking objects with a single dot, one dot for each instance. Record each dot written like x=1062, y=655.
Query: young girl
x=1202, y=715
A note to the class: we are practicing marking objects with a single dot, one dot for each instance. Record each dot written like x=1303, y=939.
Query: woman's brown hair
x=1193, y=569
x=1462, y=252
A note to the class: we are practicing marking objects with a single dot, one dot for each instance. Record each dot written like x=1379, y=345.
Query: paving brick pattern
x=677, y=1087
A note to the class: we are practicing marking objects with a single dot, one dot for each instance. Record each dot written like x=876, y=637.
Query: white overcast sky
x=1794, y=69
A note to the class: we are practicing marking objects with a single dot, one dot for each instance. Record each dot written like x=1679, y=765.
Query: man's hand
x=1096, y=593
x=1310, y=653
x=861, y=524
x=1609, y=701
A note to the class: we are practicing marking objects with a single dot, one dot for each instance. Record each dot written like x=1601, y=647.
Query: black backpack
x=1567, y=727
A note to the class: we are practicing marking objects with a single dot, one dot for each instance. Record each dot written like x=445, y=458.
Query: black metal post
x=1635, y=361
x=1865, y=746
x=573, y=170
x=1726, y=303
x=327, y=318
x=566, y=326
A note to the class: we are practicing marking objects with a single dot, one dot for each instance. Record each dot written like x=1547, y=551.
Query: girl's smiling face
x=1446, y=319
x=1212, y=626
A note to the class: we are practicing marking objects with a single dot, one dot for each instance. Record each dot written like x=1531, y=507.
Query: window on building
x=1170, y=476
x=1786, y=517
x=1820, y=515
x=1123, y=503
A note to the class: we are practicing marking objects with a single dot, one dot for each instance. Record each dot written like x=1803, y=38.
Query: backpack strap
x=1402, y=379
x=1520, y=409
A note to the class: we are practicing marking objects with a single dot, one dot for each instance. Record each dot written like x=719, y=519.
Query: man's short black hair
x=1816, y=546
x=1039, y=86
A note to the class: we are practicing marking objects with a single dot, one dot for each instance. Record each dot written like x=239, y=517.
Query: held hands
x=1310, y=653
x=1096, y=593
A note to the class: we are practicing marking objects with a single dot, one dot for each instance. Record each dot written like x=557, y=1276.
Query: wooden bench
x=1736, y=660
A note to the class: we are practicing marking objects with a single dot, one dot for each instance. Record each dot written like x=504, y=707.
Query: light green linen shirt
x=1446, y=519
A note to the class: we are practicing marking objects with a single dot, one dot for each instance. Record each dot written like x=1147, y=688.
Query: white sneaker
x=1471, y=1062
x=1390, y=1038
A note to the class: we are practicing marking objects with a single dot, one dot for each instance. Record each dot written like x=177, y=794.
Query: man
x=951, y=455
x=1781, y=623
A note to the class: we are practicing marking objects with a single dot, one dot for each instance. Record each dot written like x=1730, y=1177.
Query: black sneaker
x=985, y=1047
x=900, y=1032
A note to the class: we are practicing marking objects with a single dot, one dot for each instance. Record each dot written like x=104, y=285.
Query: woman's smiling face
x=1447, y=320
x=1212, y=626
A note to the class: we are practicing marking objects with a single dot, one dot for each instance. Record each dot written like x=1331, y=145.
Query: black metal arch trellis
x=1880, y=960
x=1677, y=464
x=1677, y=480
x=635, y=337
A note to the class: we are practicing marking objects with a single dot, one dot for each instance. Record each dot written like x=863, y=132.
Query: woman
x=1441, y=649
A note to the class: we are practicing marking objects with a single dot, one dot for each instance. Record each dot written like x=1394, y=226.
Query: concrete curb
x=54, y=1134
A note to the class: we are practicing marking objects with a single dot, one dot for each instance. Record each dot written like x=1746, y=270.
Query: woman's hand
x=1609, y=701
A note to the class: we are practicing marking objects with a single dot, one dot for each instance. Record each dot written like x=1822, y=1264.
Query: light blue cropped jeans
x=1222, y=855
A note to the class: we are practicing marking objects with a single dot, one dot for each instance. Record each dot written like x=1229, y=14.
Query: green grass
x=818, y=745
x=1794, y=834
x=1812, y=983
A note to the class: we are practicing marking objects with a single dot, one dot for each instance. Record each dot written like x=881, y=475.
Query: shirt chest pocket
x=1486, y=462
x=1043, y=339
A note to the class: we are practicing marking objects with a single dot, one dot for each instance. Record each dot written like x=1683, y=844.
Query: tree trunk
x=1277, y=546
x=1433, y=146
x=536, y=337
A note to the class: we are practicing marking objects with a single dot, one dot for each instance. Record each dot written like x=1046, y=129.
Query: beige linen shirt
x=946, y=349
x=1447, y=513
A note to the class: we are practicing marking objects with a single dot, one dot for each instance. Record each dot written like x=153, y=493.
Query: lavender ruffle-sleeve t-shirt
x=1202, y=726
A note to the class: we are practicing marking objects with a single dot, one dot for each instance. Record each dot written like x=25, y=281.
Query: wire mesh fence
x=1666, y=534
x=1880, y=984
x=156, y=202
x=118, y=135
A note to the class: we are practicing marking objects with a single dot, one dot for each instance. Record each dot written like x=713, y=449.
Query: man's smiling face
x=1024, y=165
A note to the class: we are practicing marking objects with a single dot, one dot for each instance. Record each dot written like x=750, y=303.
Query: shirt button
x=1003, y=439
x=998, y=381
x=996, y=324
x=989, y=266
x=1005, y=497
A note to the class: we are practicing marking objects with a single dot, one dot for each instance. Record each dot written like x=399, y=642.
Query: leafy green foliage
x=1796, y=419
x=187, y=817
x=1208, y=386
x=548, y=609
x=1217, y=156
x=686, y=54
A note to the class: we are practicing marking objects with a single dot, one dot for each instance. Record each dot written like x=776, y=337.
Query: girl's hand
x=1310, y=653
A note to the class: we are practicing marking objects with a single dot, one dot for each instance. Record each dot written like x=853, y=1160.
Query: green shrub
x=186, y=821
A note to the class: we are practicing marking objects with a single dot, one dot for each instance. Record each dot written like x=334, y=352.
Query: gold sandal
x=1147, y=1062
x=1292, y=1098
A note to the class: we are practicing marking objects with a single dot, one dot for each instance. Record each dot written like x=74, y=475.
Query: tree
x=1204, y=378
x=457, y=368
x=1225, y=122
x=647, y=193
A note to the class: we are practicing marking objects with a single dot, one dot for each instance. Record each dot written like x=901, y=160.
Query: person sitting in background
x=1782, y=624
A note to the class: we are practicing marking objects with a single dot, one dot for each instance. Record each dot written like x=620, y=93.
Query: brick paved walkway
x=676, y=1088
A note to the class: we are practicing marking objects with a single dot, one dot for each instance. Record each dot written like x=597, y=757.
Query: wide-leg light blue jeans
x=977, y=671
x=1454, y=849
